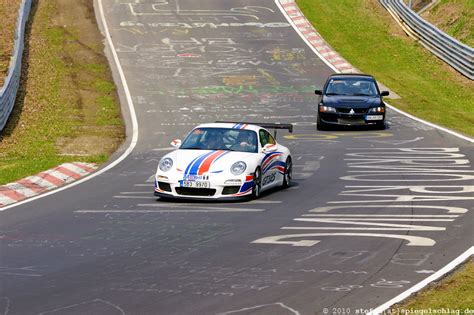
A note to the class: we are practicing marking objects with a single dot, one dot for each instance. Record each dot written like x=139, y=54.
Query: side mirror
x=318, y=92
x=268, y=148
x=385, y=93
x=176, y=143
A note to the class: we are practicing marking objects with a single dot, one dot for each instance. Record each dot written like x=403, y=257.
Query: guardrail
x=12, y=81
x=456, y=54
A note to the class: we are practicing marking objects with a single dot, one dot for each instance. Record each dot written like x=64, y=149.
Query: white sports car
x=224, y=160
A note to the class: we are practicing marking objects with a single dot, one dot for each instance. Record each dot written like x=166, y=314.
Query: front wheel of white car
x=288, y=176
x=257, y=184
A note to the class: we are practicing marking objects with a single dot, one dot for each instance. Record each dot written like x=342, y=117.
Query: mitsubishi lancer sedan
x=351, y=100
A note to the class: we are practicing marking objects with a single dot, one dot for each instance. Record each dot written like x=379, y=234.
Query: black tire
x=320, y=125
x=288, y=176
x=380, y=126
x=257, y=184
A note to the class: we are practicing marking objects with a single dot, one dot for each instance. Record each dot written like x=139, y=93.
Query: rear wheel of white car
x=288, y=176
x=257, y=184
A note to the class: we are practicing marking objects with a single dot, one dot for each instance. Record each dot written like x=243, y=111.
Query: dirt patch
x=86, y=146
x=378, y=10
x=8, y=16
x=417, y=5
x=67, y=108
x=395, y=30
x=84, y=55
x=455, y=17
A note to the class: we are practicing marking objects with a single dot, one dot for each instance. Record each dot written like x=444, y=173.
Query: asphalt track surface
x=371, y=212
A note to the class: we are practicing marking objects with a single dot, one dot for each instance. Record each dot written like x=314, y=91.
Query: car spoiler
x=288, y=127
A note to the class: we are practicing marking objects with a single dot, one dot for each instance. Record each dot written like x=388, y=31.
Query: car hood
x=200, y=162
x=341, y=101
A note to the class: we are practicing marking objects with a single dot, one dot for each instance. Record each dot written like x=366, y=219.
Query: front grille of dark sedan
x=188, y=191
x=347, y=110
x=351, y=121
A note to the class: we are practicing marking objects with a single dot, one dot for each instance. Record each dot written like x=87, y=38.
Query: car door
x=272, y=165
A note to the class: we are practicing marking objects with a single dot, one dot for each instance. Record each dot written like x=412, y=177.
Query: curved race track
x=370, y=214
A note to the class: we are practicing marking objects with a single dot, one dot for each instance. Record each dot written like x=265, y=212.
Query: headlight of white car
x=165, y=164
x=238, y=168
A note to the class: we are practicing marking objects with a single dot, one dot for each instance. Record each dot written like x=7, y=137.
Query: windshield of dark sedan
x=221, y=139
x=351, y=87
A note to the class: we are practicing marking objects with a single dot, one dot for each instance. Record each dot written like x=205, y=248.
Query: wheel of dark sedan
x=288, y=176
x=320, y=125
x=257, y=184
x=380, y=126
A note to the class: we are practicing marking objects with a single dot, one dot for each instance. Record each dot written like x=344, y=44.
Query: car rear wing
x=274, y=126
x=288, y=127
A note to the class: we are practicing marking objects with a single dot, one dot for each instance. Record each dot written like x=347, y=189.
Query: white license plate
x=195, y=184
x=374, y=117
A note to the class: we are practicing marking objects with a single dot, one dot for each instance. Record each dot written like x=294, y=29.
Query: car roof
x=351, y=75
x=231, y=126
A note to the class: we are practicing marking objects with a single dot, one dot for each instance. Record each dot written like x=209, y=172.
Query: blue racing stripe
x=196, y=163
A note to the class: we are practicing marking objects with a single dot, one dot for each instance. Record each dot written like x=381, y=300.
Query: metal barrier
x=12, y=81
x=456, y=54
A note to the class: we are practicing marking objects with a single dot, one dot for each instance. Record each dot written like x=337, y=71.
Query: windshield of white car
x=351, y=87
x=228, y=139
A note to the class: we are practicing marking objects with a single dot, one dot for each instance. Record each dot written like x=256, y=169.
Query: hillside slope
x=455, y=17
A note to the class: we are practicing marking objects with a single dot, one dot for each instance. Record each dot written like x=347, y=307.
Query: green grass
x=69, y=105
x=367, y=37
x=456, y=292
x=460, y=23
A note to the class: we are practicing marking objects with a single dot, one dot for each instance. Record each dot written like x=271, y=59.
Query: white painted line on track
x=377, y=219
x=171, y=211
x=409, y=207
x=408, y=228
x=133, y=118
x=136, y=197
x=135, y=192
x=194, y=206
x=262, y=202
x=451, y=132
x=383, y=215
x=417, y=287
x=330, y=65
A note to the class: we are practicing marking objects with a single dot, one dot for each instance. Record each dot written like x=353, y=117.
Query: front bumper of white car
x=220, y=187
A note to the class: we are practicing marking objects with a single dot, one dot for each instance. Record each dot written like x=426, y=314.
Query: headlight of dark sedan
x=326, y=109
x=377, y=110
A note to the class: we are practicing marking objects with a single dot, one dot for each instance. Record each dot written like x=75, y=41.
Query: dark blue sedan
x=351, y=100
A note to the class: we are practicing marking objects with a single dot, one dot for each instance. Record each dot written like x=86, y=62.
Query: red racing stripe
x=206, y=164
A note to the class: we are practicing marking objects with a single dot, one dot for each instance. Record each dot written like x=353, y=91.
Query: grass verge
x=67, y=108
x=455, y=17
x=367, y=36
x=455, y=292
